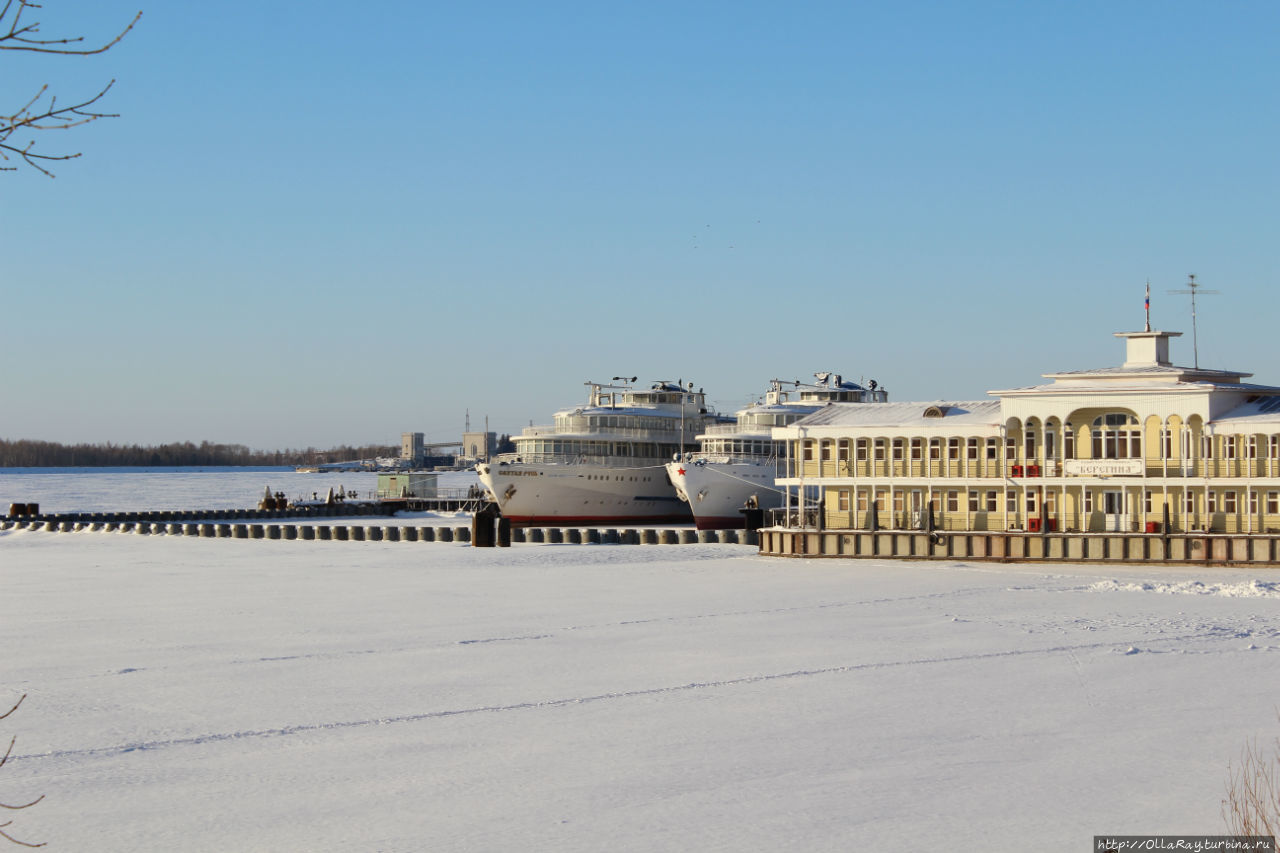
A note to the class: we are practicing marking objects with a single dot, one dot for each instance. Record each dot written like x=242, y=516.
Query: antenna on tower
x=1193, y=287
x=1147, y=305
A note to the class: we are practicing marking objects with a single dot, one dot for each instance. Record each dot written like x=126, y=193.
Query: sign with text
x=1103, y=467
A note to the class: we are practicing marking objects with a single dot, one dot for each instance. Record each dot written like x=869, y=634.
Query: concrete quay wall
x=1188, y=549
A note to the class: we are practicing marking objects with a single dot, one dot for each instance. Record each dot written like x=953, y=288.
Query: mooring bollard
x=426, y=534
x=648, y=536
x=341, y=533
x=300, y=531
x=273, y=531
x=747, y=537
x=444, y=534
x=516, y=533
x=324, y=533
x=391, y=534
x=356, y=533
x=553, y=535
x=572, y=535
x=408, y=534
x=727, y=537
x=686, y=536
x=535, y=535
x=462, y=534
x=373, y=534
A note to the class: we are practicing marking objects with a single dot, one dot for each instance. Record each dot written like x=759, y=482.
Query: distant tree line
x=25, y=453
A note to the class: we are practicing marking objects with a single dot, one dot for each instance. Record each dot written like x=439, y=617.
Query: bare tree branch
x=19, y=36
x=33, y=116
x=7, y=753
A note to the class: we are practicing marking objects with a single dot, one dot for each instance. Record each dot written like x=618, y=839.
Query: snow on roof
x=941, y=413
x=1151, y=370
x=1261, y=414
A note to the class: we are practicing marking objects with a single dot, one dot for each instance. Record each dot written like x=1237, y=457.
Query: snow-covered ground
x=259, y=695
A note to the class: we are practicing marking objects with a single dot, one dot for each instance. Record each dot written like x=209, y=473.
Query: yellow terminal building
x=1146, y=447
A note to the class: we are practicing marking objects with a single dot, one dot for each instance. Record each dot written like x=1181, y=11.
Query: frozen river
x=59, y=490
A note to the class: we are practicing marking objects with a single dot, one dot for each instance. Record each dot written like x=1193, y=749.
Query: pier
x=1202, y=549
x=310, y=523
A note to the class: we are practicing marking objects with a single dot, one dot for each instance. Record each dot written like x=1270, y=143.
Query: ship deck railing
x=733, y=459
x=582, y=459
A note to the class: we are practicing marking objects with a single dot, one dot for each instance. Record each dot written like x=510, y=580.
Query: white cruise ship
x=736, y=464
x=603, y=462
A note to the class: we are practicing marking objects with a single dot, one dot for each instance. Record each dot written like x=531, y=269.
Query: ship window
x=917, y=449
x=861, y=449
x=953, y=448
x=842, y=450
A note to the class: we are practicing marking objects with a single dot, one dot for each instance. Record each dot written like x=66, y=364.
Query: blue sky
x=320, y=223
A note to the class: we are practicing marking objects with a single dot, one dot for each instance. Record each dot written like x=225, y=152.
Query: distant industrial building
x=416, y=453
x=478, y=447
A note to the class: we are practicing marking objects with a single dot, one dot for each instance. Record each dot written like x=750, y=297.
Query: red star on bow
x=680, y=471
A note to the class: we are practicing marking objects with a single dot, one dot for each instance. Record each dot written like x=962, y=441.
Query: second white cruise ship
x=736, y=464
x=602, y=463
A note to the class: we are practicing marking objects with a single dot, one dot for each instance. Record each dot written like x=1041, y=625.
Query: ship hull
x=576, y=494
x=717, y=492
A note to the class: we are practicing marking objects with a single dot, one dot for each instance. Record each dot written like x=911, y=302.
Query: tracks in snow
x=622, y=695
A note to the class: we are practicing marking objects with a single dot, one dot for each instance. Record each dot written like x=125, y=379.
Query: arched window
x=1116, y=436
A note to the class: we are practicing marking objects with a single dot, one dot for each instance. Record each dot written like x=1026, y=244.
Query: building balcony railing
x=1045, y=469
